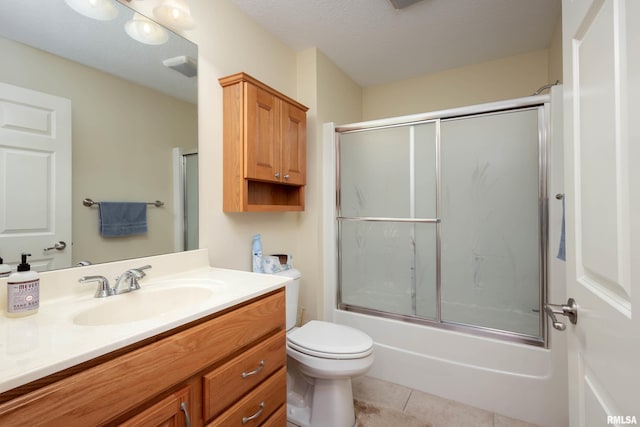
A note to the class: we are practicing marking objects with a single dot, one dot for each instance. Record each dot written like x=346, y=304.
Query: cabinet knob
x=277, y=175
x=286, y=176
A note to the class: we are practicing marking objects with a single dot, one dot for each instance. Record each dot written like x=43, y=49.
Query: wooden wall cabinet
x=265, y=132
x=218, y=371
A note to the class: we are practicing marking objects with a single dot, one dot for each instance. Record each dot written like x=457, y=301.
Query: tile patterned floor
x=383, y=404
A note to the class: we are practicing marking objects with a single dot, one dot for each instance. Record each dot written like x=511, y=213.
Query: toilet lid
x=328, y=340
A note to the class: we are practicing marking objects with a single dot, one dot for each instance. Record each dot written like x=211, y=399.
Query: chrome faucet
x=130, y=276
x=103, y=290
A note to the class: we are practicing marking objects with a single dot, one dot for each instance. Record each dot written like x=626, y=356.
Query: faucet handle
x=103, y=290
x=133, y=275
x=138, y=271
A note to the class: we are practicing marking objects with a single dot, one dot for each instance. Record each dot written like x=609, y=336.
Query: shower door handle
x=570, y=309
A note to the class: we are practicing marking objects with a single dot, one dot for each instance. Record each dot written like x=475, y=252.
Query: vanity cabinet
x=218, y=371
x=264, y=167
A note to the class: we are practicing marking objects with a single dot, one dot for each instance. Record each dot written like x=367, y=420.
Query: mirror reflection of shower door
x=190, y=170
x=185, y=184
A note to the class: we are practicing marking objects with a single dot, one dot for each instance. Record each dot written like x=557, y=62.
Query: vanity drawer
x=257, y=406
x=278, y=418
x=232, y=380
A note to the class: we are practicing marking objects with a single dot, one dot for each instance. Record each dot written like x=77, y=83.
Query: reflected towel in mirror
x=122, y=218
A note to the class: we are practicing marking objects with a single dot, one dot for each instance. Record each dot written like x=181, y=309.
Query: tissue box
x=274, y=263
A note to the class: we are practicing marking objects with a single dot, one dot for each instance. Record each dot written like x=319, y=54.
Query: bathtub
x=516, y=380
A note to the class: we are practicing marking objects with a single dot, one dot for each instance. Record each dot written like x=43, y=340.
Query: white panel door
x=601, y=44
x=35, y=177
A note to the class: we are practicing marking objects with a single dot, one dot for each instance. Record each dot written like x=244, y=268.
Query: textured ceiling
x=375, y=44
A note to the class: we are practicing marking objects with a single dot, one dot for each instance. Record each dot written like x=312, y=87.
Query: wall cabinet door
x=293, y=144
x=261, y=142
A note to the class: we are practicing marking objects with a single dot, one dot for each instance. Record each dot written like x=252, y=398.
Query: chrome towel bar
x=89, y=202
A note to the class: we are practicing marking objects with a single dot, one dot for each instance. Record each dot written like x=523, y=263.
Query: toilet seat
x=330, y=341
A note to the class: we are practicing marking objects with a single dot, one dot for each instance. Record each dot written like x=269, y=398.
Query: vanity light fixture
x=102, y=10
x=145, y=30
x=174, y=14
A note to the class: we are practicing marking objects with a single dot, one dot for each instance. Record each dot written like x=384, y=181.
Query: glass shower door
x=490, y=254
x=387, y=220
x=443, y=221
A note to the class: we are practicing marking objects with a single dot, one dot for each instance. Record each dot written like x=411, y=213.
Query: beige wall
x=333, y=97
x=555, y=54
x=506, y=78
x=229, y=42
x=113, y=158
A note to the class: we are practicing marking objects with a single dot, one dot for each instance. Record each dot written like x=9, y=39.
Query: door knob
x=570, y=309
x=57, y=246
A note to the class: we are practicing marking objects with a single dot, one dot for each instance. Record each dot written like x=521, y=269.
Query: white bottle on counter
x=5, y=269
x=23, y=290
x=256, y=255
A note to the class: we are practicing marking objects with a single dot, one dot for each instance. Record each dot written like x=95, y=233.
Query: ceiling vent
x=183, y=64
x=401, y=4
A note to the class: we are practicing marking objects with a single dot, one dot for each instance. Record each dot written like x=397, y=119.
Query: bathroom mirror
x=133, y=123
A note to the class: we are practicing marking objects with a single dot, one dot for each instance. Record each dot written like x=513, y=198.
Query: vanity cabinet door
x=172, y=411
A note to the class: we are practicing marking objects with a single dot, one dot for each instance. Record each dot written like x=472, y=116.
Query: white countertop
x=35, y=346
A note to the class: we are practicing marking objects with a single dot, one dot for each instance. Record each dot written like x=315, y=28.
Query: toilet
x=322, y=357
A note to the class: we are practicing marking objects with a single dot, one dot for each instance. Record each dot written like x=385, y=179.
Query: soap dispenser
x=5, y=269
x=23, y=290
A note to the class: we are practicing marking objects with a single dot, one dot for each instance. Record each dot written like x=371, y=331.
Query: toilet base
x=314, y=402
x=333, y=403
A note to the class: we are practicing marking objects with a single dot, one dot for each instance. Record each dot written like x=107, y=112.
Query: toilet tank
x=292, y=289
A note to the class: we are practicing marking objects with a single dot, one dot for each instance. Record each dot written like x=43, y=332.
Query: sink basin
x=142, y=305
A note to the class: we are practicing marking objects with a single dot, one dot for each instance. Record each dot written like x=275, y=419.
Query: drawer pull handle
x=255, y=371
x=254, y=416
x=187, y=420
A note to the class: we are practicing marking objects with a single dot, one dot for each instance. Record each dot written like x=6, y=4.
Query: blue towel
x=122, y=218
x=561, y=249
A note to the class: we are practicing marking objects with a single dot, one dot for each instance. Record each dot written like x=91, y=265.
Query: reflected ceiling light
x=174, y=14
x=145, y=30
x=102, y=10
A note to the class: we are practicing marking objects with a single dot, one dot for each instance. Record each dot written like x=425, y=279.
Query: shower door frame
x=539, y=102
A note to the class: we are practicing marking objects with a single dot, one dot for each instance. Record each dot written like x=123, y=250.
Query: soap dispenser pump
x=23, y=290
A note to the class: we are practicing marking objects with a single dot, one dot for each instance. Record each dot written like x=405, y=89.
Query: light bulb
x=174, y=14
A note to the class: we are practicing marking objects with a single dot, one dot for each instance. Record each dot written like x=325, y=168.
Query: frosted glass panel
x=377, y=266
x=490, y=223
x=383, y=170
